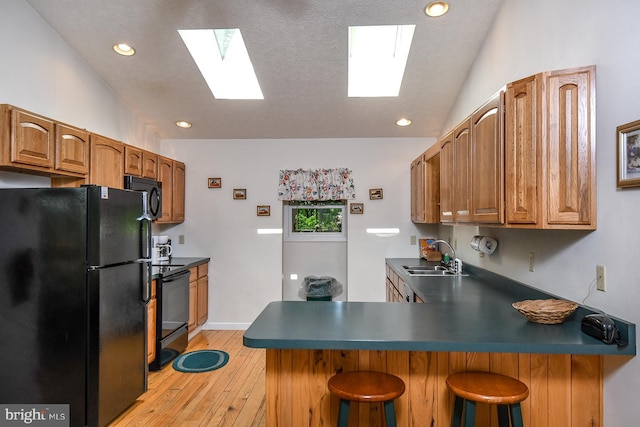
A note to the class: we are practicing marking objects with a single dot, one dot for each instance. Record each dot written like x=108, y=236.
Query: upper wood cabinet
x=139, y=162
x=179, y=182
x=107, y=162
x=72, y=149
x=446, y=179
x=487, y=162
x=149, y=165
x=32, y=142
x=165, y=176
x=172, y=175
x=550, y=151
x=32, y=139
x=462, y=171
x=425, y=186
x=132, y=160
x=417, y=189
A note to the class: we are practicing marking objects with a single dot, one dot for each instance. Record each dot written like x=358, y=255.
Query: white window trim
x=290, y=236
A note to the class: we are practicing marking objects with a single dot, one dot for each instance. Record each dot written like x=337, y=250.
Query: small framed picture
x=356, y=208
x=239, y=193
x=375, y=194
x=264, y=210
x=215, y=182
x=628, y=140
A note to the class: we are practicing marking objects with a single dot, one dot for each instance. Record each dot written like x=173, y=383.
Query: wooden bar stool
x=368, y=387
x=472, y=386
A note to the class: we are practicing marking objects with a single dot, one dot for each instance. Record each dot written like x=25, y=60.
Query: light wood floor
x=232, y=396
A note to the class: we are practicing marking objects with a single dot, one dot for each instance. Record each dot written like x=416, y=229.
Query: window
x=315, y=221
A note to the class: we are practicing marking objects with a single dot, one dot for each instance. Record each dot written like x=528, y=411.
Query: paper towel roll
x=484, y=244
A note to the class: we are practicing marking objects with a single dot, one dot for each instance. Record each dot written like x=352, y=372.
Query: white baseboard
x=217, y=326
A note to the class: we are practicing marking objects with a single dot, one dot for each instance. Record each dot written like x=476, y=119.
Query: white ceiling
x=299, y=52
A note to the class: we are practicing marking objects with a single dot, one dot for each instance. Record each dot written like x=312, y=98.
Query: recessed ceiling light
x=403, y=122
x=223, y=61
x=436, y=8
x=124, y=49
x=377, y=59
x=183, y=124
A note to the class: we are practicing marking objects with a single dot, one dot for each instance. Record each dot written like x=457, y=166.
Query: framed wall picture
x=628, y=146
x=239, y=193
x=356, y=208
x=375, y=194
x=264, y=210
x=215, y=182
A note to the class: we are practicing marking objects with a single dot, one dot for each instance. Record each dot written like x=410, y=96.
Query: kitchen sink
x=429, y=271
x=424, y=267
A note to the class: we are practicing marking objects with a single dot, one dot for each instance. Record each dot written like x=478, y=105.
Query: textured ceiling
x=299, y=52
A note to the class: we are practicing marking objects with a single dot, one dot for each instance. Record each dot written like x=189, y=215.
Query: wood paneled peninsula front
x=465, y=323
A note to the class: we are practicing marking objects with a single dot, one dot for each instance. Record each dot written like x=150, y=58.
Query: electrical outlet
x=181, y=239
x=532, y=261
x=601, y=278
x=412, y=240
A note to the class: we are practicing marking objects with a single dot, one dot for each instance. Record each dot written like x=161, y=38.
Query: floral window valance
x=317, y=184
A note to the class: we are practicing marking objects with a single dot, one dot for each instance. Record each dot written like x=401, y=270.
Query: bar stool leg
x=469, y=413
x=504, y=414
x=343, y=413
x=390, y=413
x=456, y=419
x=516, y=415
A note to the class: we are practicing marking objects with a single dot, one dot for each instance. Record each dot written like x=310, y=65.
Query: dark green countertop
x=175, y=265
x=470, y=313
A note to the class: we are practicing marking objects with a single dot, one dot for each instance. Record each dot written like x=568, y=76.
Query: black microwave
x=154, y=193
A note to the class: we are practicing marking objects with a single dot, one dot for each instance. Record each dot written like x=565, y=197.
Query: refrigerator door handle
x=145, y=228
x=146, y=280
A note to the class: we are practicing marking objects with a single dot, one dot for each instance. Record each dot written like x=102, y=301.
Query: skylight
x=377, y=59
x=223, y=61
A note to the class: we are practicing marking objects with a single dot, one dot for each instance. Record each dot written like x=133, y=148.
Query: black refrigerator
x=74, y=284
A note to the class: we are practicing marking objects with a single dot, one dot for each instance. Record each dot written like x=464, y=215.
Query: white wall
x=246, y=269
x=39, y=72
x=529, y=37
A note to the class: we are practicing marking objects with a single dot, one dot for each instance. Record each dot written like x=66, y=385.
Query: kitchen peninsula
x=464, y=323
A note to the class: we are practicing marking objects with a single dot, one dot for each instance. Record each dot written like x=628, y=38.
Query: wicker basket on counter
x=547, y=311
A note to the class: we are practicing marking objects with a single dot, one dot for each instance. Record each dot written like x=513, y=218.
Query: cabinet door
x=165, y=176
x=149, y=165
x=32, y=139
x=570, y=126
x=522, y=151
x=193, y=298
x=432, y=189
x=132, y=160
x=72, y=149
x=107, y=162
x=462, y=168
x=487, y=162
x=177, y=214
x=417, y=190
x=152, y=308
x=446, y=179
x=203, y=300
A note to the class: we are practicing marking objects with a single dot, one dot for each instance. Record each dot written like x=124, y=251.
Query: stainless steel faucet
x=456, y=263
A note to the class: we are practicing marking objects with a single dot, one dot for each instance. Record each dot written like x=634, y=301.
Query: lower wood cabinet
x=152, y=308
x=394, y=285
x=198, y=296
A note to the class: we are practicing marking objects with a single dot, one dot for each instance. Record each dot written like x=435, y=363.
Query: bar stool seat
x=368, y=387
x=485, y=387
